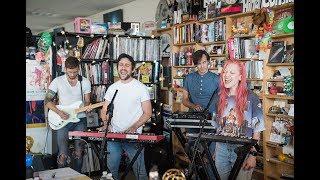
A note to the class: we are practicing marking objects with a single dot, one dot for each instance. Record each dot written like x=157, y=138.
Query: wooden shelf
x=244, y=36
x=280, y=115
x=241, y=14
x=278, y=36
x=211, y=19
x=210, y=43
x=185, y=44
x=219, y=42
x=185, y=23
x=205, y=21
x=183, y=66
x=163, y=29
x=279, y=97
x=275, y=80
x=280, y=64
x=284, y=6
x=205, y=44
x=274, y=160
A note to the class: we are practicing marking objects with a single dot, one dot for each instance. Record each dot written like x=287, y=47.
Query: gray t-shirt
x=254, y=122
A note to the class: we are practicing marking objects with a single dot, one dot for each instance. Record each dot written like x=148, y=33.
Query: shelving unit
x=273, y=167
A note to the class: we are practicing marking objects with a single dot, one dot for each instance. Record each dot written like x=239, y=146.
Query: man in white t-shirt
x=68, y=90
x=131, y=109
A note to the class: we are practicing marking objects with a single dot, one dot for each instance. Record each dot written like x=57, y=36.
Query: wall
x=135, y=11
x=39, y=137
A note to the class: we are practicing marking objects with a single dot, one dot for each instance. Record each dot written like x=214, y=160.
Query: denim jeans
x=114, y=157
x=211, y=146
x=62, y=140
x=225, y=159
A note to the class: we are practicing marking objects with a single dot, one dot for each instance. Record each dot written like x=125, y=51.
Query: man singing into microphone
x=131, y=109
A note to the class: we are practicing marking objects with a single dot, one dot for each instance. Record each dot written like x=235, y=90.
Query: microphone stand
x=104, y=140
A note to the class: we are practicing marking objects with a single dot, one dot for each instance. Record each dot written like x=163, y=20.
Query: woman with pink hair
x=246, y=107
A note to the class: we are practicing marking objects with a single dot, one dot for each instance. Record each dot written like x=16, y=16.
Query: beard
x=125, y=76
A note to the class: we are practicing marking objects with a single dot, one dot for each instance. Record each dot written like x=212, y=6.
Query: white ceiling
x=45, y=14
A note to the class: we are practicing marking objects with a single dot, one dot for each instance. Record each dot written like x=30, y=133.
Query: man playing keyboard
x=131, y=109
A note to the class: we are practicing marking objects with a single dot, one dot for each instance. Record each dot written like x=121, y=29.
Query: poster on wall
x=35, y=116
x=37, y=80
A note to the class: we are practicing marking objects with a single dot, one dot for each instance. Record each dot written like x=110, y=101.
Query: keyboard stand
x=241, y=152
x=141, y=146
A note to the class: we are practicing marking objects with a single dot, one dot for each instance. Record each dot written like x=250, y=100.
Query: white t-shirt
x=69, y=94
x=127, y=104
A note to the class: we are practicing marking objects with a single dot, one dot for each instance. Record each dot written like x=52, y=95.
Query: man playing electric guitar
x=70, y=89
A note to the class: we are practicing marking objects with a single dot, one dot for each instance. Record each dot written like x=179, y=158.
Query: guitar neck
x=82, y=109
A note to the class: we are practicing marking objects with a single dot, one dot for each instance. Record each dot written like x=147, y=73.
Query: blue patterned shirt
x=201, y=87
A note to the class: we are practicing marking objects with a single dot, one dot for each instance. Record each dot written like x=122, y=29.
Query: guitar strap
x=80, y=79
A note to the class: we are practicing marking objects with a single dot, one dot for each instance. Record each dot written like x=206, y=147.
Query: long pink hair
x=241, y=95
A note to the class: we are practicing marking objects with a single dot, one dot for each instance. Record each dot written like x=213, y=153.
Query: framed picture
x=144, y=72
x=113, y=17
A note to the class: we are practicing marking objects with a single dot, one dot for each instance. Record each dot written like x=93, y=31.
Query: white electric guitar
x=56, y=122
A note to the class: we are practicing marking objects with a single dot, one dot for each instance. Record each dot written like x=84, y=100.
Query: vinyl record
x=288, y=25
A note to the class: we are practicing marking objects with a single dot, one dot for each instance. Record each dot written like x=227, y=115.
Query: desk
x=61, y=174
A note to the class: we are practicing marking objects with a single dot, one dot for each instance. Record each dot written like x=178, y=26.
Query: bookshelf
x=270, y=167
x=93, y=59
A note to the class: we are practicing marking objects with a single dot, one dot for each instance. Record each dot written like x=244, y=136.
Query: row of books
x=183, y=57
x=242, y=48
x=203, y=33
x=254, y=69
x=139, y=49
x=214, y=31
x=97, y=73
x=97, y=49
